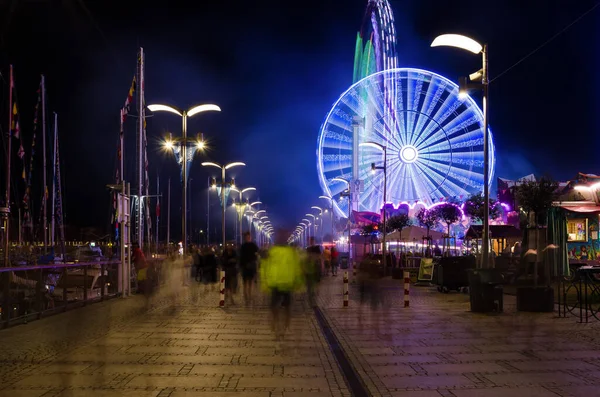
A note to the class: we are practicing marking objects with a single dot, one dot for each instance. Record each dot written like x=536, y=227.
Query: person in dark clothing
x=229, y=264
x=141, y=267
x=197, y=261
x=209, y=270
x=248, y=265
x=312, y=271
x=335, y=260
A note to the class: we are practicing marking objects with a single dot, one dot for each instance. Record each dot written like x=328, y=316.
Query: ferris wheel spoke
x=421, y=117
x=405, y=107
x=459, y=178
x=428, y=183
x=395, y=174
x=415, y=102
x=423, y=185
x=452, y=182
x=445, y=111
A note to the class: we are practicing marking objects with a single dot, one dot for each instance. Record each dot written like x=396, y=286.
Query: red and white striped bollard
x=222, y=289
x=345, y=288
x=406, y=289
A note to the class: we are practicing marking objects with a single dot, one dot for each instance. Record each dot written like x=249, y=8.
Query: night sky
x=275, y=68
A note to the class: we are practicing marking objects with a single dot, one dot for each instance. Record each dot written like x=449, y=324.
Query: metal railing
x=31, y=292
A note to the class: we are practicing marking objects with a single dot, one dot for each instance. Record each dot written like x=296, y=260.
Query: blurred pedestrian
x=313, y=264
x=327, y=260
x=281, y=275
x=209, y=269
x=141, y=267
x=229, y=264
x=335, y=260
x=197, y=263
x=248, y=265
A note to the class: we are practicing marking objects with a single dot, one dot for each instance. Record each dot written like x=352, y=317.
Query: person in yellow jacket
x=281, y=275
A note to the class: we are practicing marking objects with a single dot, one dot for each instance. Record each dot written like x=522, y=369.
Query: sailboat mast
x=52, y=231
x=45, y=175
x=140, y=190
x=122, y=148
x=8, y=161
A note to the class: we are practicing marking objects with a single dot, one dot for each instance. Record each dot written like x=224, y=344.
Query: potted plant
x=535, y=198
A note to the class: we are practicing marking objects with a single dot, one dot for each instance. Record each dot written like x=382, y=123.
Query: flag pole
x=8, y=161
x=45, y=181
x=53, y=229
x=122, y=147
x=140, y=182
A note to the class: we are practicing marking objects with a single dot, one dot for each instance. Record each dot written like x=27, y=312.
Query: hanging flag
x=157, y=209
x=129, y=100
x=15, y=129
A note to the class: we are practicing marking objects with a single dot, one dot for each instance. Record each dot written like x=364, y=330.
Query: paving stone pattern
x=183, y=344
x=437, y=347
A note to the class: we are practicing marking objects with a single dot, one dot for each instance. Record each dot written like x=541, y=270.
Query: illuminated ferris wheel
x=434, y=140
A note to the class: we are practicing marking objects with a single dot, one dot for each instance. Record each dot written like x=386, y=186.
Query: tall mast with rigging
x=45, y=174
x=6, y=209
x=140, y=153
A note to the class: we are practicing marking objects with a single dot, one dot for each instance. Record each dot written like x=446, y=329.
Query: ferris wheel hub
x=409, y=154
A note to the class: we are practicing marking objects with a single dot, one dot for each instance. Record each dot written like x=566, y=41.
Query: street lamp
x=331, y=209
x=251, y=212
x=223, y=203
x=314, y=223
x=468, y=44
x=348, y=194
x=321, y=215
x=184, y=116
x=382, y=148
x=241, y=208
x=307, y=225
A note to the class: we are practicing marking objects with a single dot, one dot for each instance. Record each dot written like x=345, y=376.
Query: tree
x=427, y=219
x=474, y=208
x=537, y=197
x=448, y=213
x=396, y=223
x=367, y=230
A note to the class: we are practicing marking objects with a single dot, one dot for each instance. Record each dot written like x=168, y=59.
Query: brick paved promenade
x=437, y=347
x=187, y=346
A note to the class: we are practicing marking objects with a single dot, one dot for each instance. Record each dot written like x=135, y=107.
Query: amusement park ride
x=432, y=133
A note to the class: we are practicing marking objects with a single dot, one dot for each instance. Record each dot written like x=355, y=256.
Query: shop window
x=577, y=230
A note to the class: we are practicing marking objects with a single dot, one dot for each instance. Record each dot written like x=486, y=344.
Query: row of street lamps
x=199, y=144
x=302, y=232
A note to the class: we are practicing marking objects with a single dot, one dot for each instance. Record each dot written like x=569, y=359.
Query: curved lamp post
x=241, y=208
x=314, y=207
x=331, y=209
x=348, y=194
x=314, y=223
x=169, y=145
x=382, y=148
x=481, y=76
x=307, y=225
x=223, y=203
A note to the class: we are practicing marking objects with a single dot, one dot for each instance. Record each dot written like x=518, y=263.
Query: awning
x=581, y=208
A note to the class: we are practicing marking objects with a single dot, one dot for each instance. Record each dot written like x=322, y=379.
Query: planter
x=486, y=294
x=535, y=299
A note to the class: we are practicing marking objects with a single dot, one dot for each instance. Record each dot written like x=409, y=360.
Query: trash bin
x=485, y=290
x=344, y=262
